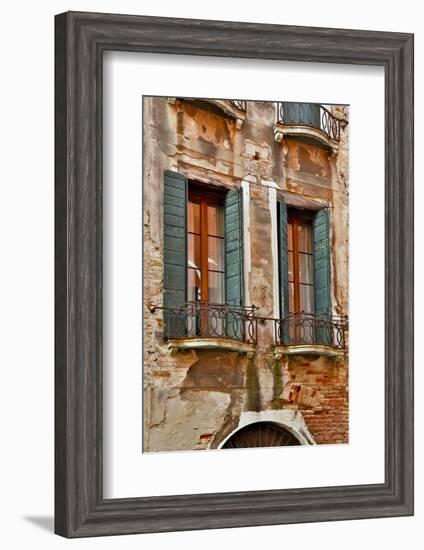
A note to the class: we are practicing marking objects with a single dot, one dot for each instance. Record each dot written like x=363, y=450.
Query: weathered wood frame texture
x=81, y=39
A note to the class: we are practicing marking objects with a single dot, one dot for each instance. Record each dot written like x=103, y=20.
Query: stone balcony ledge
x=210, y=343
x=282, y=130
x=309, y=349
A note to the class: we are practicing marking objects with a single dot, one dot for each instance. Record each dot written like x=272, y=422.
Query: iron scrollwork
x=310, y=329
x=308, y=114
x=206, y=320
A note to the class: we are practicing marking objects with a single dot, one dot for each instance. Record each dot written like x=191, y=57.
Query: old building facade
x=245, y=212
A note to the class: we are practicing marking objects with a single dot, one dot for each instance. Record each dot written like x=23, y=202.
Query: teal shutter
x=284, y=259
x=322, y=262
x=283, y=270
x=234, y=289
x=174, y=250
x=321, y=228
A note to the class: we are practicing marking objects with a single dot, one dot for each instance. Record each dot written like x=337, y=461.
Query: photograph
x=245, y=273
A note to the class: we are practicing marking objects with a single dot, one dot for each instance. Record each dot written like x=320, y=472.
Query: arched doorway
x=261, y=434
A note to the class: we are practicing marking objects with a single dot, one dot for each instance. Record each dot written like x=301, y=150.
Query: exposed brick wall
x=319, y=388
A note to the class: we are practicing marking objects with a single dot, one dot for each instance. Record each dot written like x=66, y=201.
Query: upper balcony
x=309, y=120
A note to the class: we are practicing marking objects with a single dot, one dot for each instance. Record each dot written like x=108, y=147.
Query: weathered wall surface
x=193, y=399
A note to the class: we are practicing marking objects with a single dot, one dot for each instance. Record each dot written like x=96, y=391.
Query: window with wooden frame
x=300, y=262
x=202, y=258
x=205, y=246
x=305, y=274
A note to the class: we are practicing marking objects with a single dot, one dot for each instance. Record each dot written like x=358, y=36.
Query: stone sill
x=223, y=344
x=309, y=349
x=282, y=130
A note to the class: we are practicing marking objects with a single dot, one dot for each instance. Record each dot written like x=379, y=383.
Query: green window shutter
x=321, y=228
x=233, y=248
x=174, y=250
x=283, y=259
x=234, y=288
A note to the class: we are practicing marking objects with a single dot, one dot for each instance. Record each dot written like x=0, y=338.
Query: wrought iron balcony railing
x=308, y=114
x=205, y=320
x=308, y=329
x=238, y=104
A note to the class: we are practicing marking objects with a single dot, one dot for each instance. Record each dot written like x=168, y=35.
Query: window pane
x=291, y=268
x=193, y=217
x=193, y=253
x=215, y=220
x=305, y=238
x=216, y=287
x=216, y=253
x=306, y=269
x=307, y=298
x=290, y=236
x=291, y=297
x=193, y=285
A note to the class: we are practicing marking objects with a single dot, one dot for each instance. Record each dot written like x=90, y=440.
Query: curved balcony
x=211, y=326
x=309, y=334
x=235, y=108
x=310, y=120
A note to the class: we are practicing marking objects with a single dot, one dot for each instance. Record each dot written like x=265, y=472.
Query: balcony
x=197, y=325
x=308, y=120
x=211, y=326
x=235, y=108
x=307, y=334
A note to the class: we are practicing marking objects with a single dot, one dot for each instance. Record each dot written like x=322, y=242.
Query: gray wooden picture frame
x=80, y=40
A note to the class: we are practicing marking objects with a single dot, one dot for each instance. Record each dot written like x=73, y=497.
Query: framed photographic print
x=234, y=274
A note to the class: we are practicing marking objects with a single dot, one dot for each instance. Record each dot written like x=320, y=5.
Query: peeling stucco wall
x=193, y=399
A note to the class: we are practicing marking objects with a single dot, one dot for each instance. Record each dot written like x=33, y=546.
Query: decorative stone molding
x=224, y=344
x=309, y=349
x=283, y=130
x=226, y=106
x=291, y=420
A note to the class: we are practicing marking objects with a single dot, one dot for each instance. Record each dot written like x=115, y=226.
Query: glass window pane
x=216, y=220
x=193, y=217
x=216, y=287
x=193, y=285
x=291, y=268
x=291, y=297
x=305, y=238
x=306, y=269
x=193, y=252
x=307, y=298
x=216, y=253
x=290, y=236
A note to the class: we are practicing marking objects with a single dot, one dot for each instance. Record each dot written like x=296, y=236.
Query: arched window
x=261, y=434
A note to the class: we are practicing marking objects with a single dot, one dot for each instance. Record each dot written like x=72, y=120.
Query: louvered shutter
x=322, y=277
x=284, y=259
x=174, y=250
x=234, y=289
x=283, y=268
